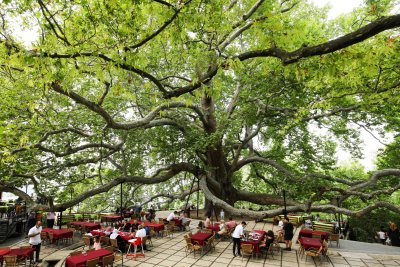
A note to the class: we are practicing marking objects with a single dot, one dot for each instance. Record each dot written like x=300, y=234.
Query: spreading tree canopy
x=248, y=97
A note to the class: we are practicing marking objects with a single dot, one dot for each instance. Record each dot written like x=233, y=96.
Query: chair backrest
x=92, y=249
x=74, y=253
x=114, y=243
x=334, y=237
x=26, y=247
x=10, y=260
x=105, y=240
x=160, y=220
x=144, y=240
x=51, y=236
x=86, y=240
x=92, y=262
x=43, y=235
x=107, y=260
x=109, y=248
x=247, y=248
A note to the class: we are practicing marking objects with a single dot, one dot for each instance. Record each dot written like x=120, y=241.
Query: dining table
x=21, y=253
x=214, y=227
x=111, y=218
x=59, y=233
x=88, y=225
x=81, y=259
x=308, y=233
x=200, y=238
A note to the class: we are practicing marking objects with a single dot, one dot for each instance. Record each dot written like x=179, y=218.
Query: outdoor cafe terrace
x=169, y=248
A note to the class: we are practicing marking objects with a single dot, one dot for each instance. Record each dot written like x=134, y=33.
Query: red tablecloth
x=157, y=227
x=200, y=238
x=88, y=225
x=262, y=233
x=309, y=233
x=99, y=232
x=59, y=233
x=177, y=221
x=74, y=261
x=308, y=243
x=19, y=252
x=214, y=227
x=255, y=243
x=111, y=218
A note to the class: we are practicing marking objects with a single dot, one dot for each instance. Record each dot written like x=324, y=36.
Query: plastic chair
x=135, y=243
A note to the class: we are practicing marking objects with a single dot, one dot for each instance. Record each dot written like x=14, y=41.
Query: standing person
x=288, y=233
x=35, y=239
x=236, y=235
x=50, y=217
x=382, y=235
x=394, y=235
x=222, y=214
x=207, y=222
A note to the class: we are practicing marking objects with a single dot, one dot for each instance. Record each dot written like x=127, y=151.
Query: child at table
x=97, y=244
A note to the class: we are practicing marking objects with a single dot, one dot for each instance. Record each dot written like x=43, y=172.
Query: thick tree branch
x=363, y=33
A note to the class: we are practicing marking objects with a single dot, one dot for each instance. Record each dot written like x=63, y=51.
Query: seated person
x=134, y=226
x=108, y=231
x=141, y=233
x=268, y=239
x=121, y=242
x=125, y=227
x=172, y=216
x=200, y=226
x=183, y=220
x=222, y=228
x=230, y=224
x=96, y=244
x=207, y=222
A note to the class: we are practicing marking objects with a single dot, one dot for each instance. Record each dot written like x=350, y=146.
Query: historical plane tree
x=241, y=99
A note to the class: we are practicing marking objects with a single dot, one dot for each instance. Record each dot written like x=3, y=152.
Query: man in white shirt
x=34, y=238
x=141, y=233
x=172, y=216
x=236, y=235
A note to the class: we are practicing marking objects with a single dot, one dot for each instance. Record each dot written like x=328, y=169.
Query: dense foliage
x=241, y=99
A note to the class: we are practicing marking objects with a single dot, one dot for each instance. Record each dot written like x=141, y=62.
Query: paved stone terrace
x=170, y=251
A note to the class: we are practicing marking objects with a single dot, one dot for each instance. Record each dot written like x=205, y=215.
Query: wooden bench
x=296, y=220
x=325, y=227
x=67, y=218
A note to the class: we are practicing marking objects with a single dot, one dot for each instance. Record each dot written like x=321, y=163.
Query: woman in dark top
x=288, y=233
x=394, y=235
x=268, y=240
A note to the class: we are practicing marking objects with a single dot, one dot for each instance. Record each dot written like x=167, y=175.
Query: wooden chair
x=161, y=221
x=334, y=237
x=191, y=247
x=168, y=231
x=247, y=249
x=109, y=248
x=312, y=252
x=270, y=250
x=114, y=244
x=92, y=262
x=91, y=249
x=10, y=260
x=107, y=261
x=76, y=252
x=86, y=242
x=105, y=240
x=51, y=238
x=45, y=237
